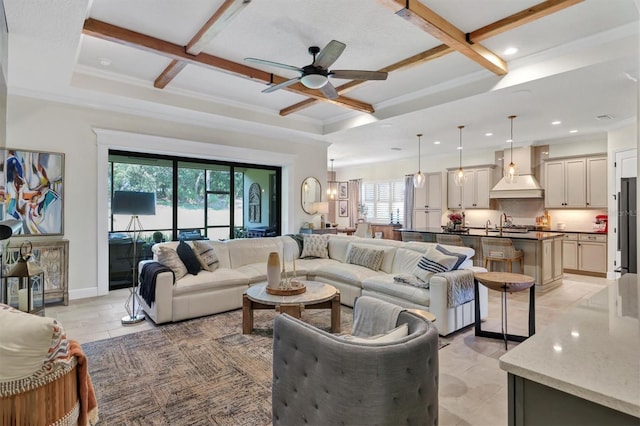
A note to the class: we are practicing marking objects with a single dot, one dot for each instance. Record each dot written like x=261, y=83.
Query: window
x=383, y=200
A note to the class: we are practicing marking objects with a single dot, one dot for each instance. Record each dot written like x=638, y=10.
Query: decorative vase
x=273, y=270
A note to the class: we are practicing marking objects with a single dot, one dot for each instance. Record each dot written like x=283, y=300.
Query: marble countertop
x=531, y=235
x=592, y=352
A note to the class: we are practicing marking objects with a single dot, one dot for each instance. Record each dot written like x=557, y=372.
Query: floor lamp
x=134, y=204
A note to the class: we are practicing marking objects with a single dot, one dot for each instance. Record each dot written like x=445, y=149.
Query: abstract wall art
x=31, y=190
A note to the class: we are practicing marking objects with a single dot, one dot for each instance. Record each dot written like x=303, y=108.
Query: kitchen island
x=583, y=368
x=542, y=250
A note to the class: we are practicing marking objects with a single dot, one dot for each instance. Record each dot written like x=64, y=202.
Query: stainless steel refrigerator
x=627, y=228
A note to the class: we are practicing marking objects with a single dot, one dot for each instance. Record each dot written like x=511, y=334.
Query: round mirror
x=311, y=194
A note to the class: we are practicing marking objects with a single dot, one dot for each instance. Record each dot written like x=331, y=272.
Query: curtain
x=354, y=201
x=408, y=201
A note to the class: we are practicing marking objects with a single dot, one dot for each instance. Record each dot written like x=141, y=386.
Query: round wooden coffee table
x=318, y=296
x=506, y=282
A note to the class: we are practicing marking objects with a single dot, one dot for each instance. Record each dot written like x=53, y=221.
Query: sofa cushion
x=245, y=251
x=220, y=278
x=188, y=257
x=461, y=257
x=433, y=262
x=405, y=260
x=206, y=255
x=315, y=246
x=169, y=258
x=385, y=284
x=26, y=341
x=367, y=257
x=389, y=253
x=347, y=273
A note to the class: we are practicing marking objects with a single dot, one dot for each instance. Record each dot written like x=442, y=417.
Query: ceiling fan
x=316, y=75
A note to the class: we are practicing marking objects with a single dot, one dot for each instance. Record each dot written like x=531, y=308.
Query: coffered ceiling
x=576, y=61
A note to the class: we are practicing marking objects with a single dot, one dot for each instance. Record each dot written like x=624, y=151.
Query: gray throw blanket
x=372, y=316
x=459, y=286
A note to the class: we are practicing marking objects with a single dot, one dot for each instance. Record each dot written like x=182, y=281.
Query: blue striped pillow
x=433, y=262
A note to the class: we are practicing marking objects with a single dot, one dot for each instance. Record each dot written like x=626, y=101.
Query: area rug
x=196, y=372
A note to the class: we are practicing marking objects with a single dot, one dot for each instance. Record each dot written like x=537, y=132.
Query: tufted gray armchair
x=322, y=379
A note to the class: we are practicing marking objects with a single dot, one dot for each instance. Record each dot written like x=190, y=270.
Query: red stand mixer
x=600, y=225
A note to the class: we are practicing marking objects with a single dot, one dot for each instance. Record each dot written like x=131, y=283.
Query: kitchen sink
x=512, y=230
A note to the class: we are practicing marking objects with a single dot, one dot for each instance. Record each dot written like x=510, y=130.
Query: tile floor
x=473, y=389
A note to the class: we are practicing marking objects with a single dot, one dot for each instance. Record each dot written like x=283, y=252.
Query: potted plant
x=456, y=220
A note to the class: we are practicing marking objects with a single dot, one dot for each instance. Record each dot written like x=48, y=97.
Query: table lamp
x=322, y=208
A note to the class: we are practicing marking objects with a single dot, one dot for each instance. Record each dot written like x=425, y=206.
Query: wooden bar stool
x=505, y=282
x=501, y=250
x=450, y=240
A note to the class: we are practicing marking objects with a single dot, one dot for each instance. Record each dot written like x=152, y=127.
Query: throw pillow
x=25, y=341
x=433, y=262
x=390, y=336
x=169, y=258
x=411, y=280
x=368, y=258
x=206, y=254
x=461, y=257
x=315, y=246
x=188, y=257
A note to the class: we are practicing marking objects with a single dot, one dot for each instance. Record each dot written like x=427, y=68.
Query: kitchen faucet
x=486, y=226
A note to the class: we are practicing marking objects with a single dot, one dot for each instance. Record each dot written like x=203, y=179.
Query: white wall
x=44, y=125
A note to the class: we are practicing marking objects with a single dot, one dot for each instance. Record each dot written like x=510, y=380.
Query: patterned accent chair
x=323, y=379
x=501, y=250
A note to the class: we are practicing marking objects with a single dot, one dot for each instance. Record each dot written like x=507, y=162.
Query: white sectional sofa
x=242, y=263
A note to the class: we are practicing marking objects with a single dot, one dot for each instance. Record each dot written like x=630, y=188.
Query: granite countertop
x=531, y=235
x=591, y=352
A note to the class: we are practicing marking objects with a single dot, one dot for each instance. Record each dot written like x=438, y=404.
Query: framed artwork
x=343, y=190
x=31, y=190
x=343, y=209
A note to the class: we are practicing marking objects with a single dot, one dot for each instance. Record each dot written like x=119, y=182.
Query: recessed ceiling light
x=396, y=149
x=573, y=131
x=510, y=50
x=555, y=123
x=488, y=134
x=508, y=141
x=436, y=142
x=105, y=62
x=386, y=125
x=459, y=147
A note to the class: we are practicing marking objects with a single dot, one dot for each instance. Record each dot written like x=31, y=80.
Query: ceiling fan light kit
x=418, y=178
x=316, y=75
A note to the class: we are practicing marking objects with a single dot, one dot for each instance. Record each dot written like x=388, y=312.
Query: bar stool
x=505, y=282
x=501, y=250
x=451, y=240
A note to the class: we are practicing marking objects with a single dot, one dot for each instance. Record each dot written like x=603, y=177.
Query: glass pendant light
x=511, y=172
x=418, y=178
x=460, y=177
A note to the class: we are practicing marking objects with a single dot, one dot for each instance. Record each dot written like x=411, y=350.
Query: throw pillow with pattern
x=461, y=257
x=315, y=246
x=433, y=262
x=169, y=258
x=369, y=258
x=206, y=254
x=188, y=257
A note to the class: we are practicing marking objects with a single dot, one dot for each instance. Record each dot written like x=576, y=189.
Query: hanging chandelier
x=418, y=178
x=460, y=177
x=332, y=184
x=511, y=172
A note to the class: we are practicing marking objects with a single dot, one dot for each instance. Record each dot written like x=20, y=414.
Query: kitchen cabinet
x=576, y=182
x=427, y=219
x=552, y=262
x=429, y=197
x=585, y=253
x=474, y=194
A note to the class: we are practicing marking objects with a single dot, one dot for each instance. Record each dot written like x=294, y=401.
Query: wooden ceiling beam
x=510, y=22
x=218, y=21
x=123, y=36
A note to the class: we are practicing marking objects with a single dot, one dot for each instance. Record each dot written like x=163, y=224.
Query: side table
x=505, y=282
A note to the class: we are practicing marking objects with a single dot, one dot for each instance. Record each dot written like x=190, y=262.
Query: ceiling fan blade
x=274, y=64
x=329, y=54
x=358, y=75
x=281, y=85
x=329, y=91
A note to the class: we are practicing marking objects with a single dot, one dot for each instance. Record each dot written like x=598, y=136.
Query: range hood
x=525, y=185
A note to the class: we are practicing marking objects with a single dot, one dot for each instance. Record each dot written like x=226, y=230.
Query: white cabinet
x=585, y=253
x=552, y=261
x=474, y=194
x=576, y=182
x=429, y=197
x=427, y=218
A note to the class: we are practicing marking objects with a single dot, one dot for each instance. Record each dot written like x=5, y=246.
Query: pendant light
x=332, y=184
x=511, y=172
x=418, y=178
x=460, y=177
